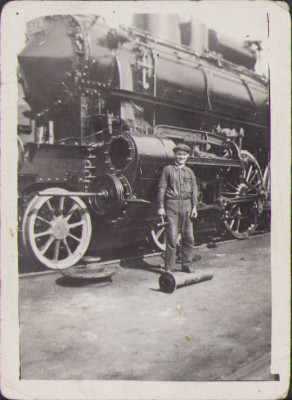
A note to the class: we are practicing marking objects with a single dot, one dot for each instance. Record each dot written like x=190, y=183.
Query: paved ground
x=129, y=329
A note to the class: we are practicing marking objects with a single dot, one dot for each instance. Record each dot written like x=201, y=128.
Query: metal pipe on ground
x=170, y=281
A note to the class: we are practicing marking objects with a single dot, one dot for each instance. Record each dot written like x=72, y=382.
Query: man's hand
x=194, y=212
x=161, y=212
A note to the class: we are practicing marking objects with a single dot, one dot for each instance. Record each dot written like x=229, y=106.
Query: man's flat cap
x=182, y=146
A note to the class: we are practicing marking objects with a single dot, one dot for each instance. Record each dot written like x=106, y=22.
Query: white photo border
x=280, y=92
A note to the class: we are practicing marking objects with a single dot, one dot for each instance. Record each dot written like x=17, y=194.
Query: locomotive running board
x=242, y=199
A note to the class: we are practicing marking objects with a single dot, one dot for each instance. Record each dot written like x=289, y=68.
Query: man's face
x=181, y=157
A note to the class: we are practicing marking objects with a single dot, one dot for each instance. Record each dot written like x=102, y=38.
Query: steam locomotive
x=108, y=104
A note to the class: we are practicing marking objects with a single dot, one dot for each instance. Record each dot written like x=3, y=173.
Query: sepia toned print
x=133, y=127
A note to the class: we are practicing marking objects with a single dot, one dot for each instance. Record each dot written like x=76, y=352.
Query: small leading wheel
x=242, y=199
x=56, y=230
x=157, y=237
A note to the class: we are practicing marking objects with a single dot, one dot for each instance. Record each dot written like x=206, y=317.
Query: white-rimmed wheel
x=242, y=199
x=157, y=238
x=56, y=229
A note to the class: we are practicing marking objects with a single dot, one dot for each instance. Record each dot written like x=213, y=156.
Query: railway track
x=116, y=262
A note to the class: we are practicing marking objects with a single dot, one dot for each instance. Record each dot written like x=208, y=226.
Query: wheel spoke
x=61, y=205
x=76, y=224
x=51, y=210
x=232, y=209
x=238, y=223
x=255, y=174
x=233, y=187
x=74, y=237
x=40, y=234
x=43, y=220
x=258, y=183
x=249, y=172
x=159, y=233
x=71, y=211
x=56, y=250
x=67, y=246
x=232, y=223
x=47, y=245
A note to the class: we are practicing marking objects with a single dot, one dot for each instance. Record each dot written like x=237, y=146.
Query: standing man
x=177, y=200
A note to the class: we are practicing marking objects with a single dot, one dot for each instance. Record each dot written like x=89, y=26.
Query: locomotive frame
x=105, y=123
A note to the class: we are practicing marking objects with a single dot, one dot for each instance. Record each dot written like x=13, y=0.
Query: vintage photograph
x=143, y=200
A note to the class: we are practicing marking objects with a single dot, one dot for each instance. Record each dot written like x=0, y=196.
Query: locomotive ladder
x=89, y=168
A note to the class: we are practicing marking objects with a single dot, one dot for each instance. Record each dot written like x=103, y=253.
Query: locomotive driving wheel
x=242, y=198
x=56, y=230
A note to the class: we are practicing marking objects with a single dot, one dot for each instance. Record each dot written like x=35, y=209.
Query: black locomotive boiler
x=106, y=108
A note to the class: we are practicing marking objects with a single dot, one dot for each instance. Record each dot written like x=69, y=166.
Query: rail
x=116, y=262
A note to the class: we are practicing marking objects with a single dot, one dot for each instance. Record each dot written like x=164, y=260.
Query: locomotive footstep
x=89, y=271
x=169, y=281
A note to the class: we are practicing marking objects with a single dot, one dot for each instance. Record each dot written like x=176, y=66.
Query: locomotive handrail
x=221, y=140
x=240, y=199
x=171, y=104
x=218, y=161
x=86, y=194
x=67, y=194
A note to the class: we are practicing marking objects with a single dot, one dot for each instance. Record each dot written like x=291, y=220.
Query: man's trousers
x=179, y=222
